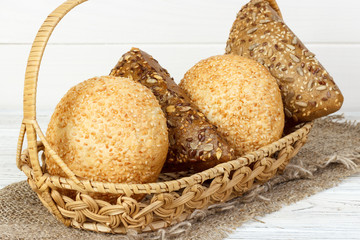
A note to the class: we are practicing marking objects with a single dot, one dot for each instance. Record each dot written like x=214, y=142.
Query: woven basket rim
x=196, y=178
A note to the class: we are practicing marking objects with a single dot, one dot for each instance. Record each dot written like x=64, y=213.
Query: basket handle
x=29, y=105
x=31, y=76
x=275, y=6
x=36, y=53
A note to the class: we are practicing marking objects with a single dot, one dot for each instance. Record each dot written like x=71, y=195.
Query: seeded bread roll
x=194, y=142
x=239, y=96
x=307, y=89
x=109, y=129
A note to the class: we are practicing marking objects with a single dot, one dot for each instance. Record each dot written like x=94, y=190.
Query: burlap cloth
x=332, y=153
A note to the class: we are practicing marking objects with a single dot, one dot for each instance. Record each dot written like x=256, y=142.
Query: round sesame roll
x=241, y=97
x=109, y=129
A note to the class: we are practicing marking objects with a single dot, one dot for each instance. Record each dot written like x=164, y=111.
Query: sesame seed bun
x=109, y=129
x=239, y=96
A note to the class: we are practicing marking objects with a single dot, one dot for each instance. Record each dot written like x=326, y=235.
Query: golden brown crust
x=308, y=91
x=239, y=96
x=109, y=129
x=194, y=142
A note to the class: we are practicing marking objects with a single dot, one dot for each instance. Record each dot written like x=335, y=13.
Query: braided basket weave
x=171, y=200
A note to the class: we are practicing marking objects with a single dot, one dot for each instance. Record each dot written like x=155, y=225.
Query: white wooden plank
x=175, y=21
x=331, y=214
x=66, y=65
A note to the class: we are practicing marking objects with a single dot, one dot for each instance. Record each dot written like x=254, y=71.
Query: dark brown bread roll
x=194, y=142
x=307, y=89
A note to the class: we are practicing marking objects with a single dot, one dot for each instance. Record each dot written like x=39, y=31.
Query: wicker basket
x=168, y=201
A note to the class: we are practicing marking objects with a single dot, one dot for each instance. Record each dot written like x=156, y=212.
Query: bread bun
x=239, y=96
x=109, y=129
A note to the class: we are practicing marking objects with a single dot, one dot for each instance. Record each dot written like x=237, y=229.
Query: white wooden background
x=91, y=38
x=179, y=33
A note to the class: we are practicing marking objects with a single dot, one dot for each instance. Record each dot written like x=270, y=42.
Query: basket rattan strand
x=168, y=201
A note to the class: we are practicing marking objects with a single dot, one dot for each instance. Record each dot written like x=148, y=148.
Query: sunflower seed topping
x=264, y=21
x=301, y=104
x=270, y=52
x=193, y=145
x=294, y=41
x=171, y=123
x=309, y=54
x=252, y=47
x=321, y=88
x=208, y=147
x=290, y=95
x=300, y=71
x=291, y=47
x=218, y=153
x=287, y=113
x=294, y=58
x=185, y=109
x=151, y=81
x=252, y=30
x=310, y=84
x=157, y=77
x=261, y=61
